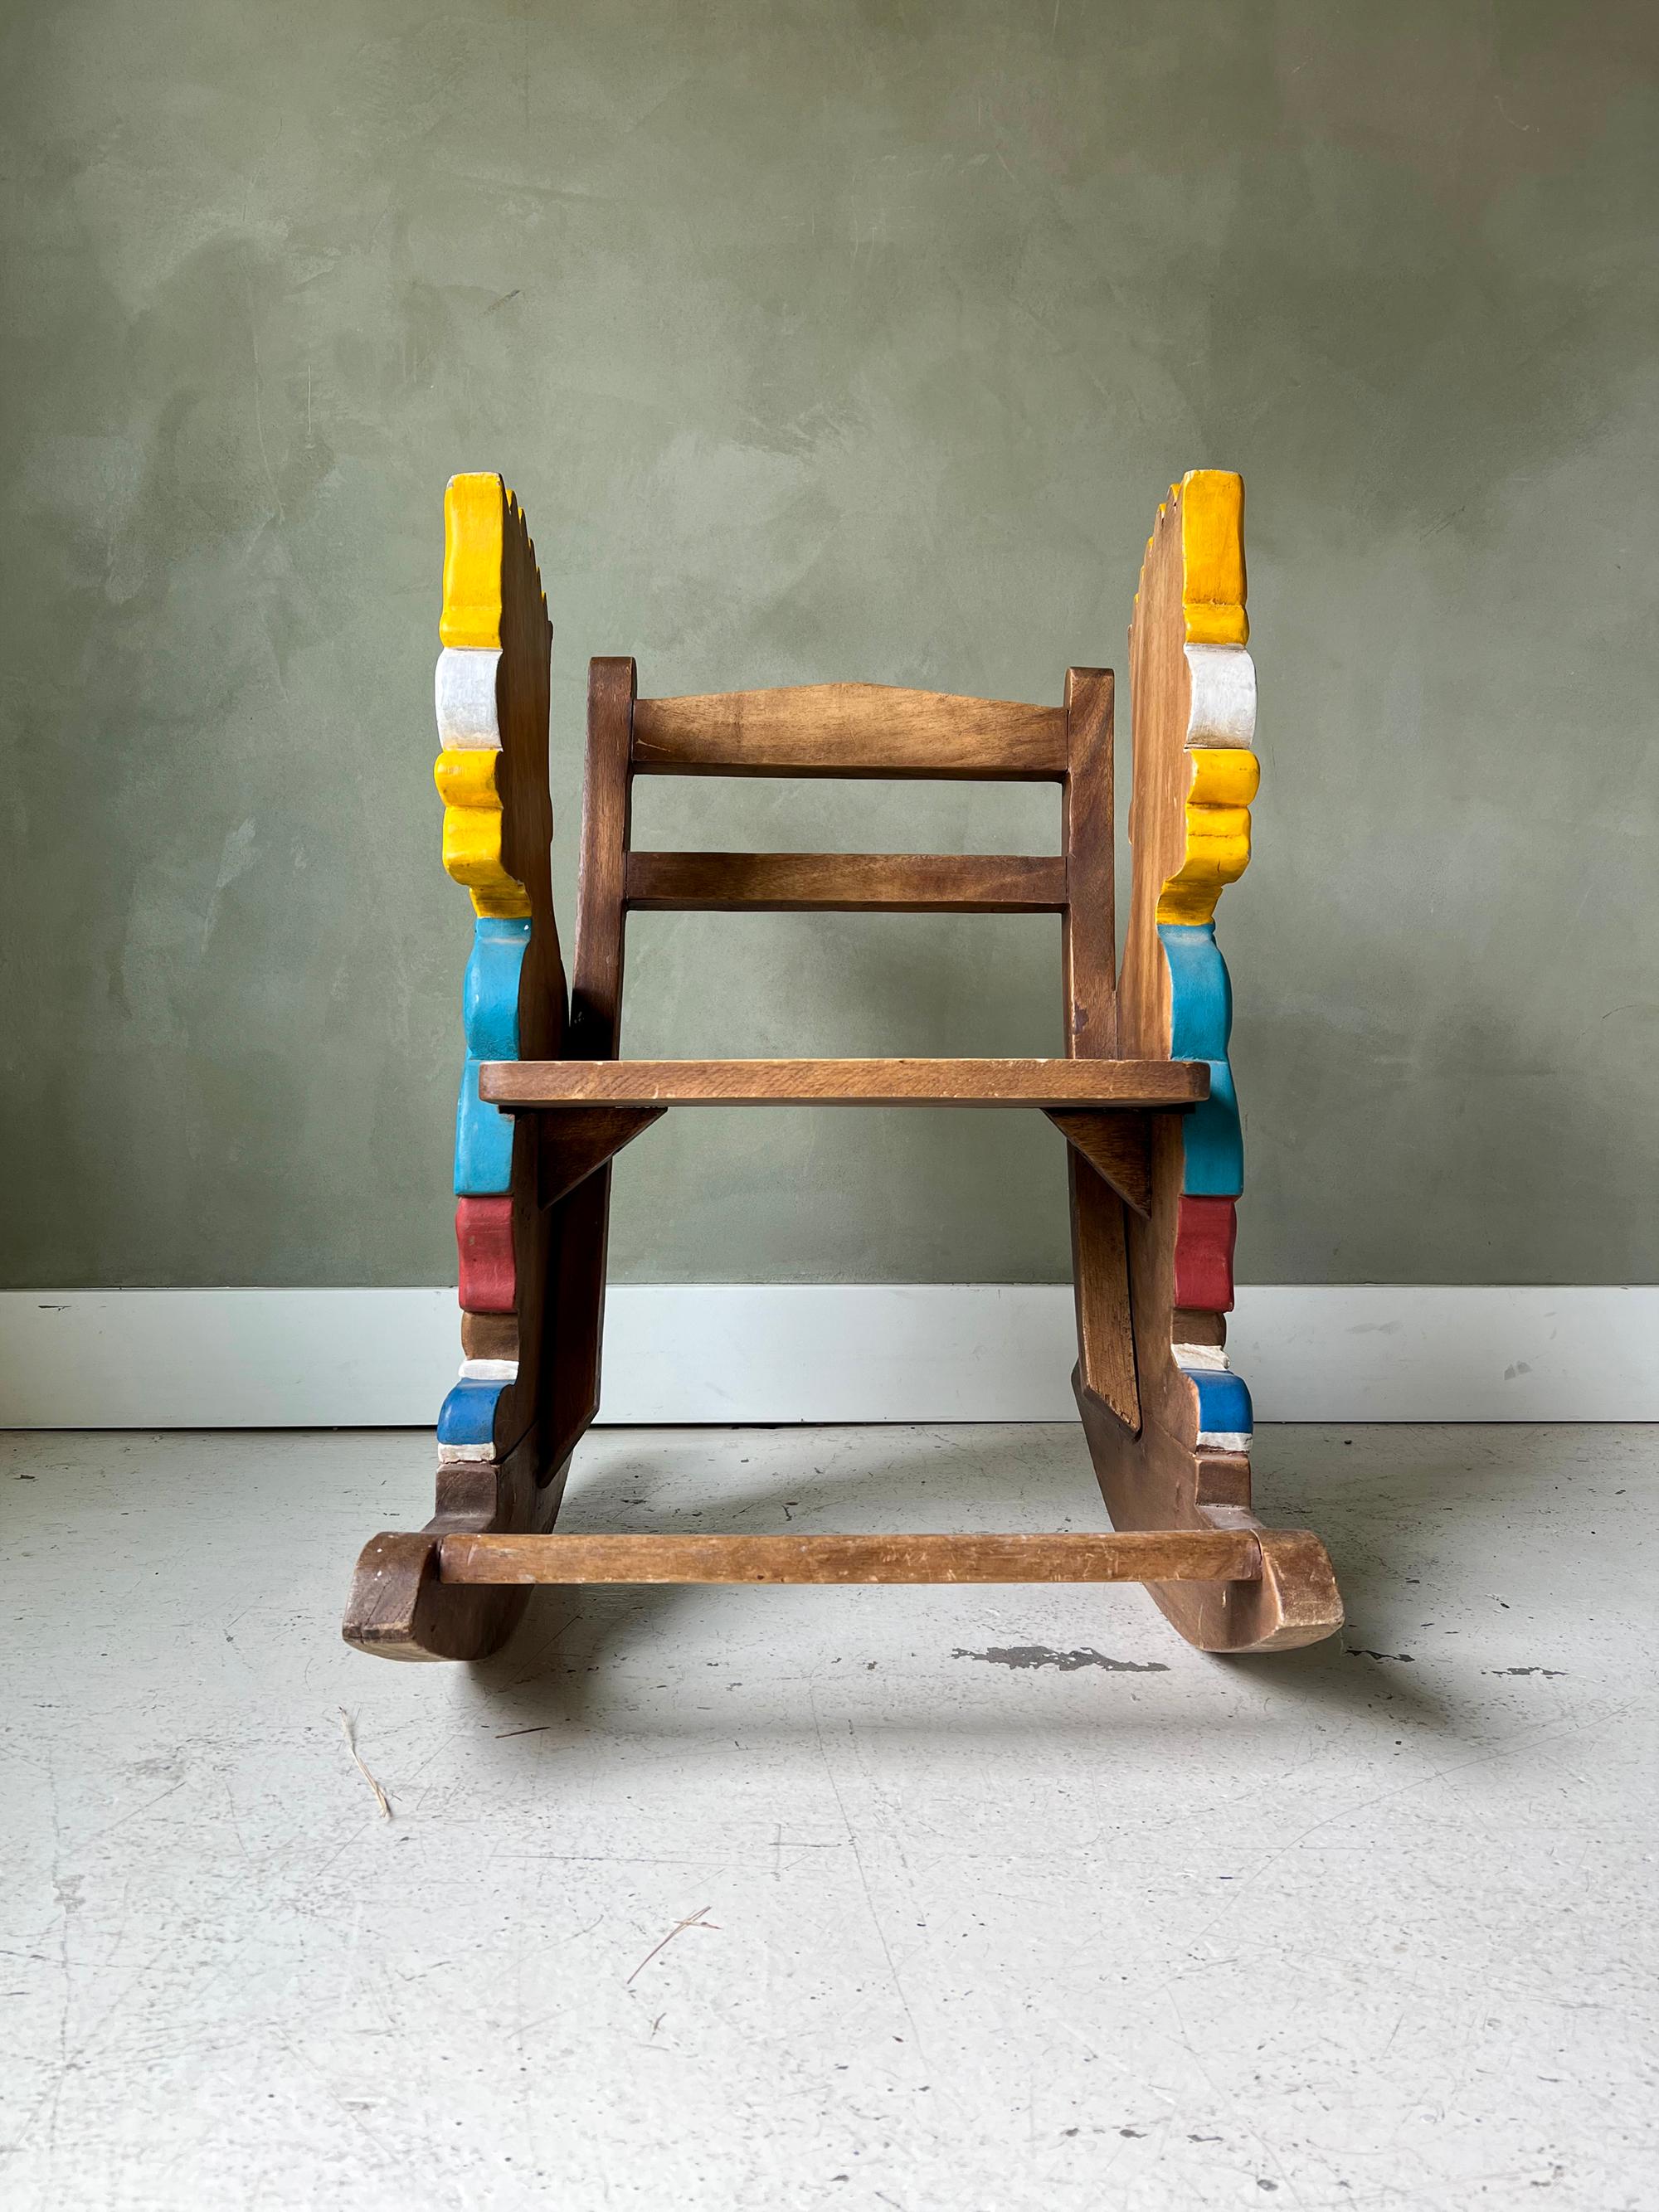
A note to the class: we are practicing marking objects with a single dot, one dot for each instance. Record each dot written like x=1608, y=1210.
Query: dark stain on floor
x=1040, y=1655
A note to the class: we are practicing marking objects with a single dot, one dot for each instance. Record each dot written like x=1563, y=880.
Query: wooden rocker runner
x=1144, y=1097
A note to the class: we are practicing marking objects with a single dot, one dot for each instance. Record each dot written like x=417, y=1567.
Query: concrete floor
x=777, y=1899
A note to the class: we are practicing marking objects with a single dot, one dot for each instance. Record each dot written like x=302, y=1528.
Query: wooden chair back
x=847, y=730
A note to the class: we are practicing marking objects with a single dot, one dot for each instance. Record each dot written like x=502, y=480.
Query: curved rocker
x=1143, y=1096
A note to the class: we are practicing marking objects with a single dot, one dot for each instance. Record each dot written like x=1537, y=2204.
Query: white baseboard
x=775, y=1352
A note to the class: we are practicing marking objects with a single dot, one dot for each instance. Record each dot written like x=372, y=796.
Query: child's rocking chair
x=1144, y=1096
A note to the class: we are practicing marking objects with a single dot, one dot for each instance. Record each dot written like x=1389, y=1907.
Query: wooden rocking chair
x=1144, y=1097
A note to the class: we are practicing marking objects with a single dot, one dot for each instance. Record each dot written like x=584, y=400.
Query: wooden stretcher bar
x=1144, y=1556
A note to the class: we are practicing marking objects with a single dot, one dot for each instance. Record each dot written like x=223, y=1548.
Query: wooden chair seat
x=1099, y=1084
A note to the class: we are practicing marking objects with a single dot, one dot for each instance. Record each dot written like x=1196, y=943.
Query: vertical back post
x=594, y=1033
x=1100, y=1267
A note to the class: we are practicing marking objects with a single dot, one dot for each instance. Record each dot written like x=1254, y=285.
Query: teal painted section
x=1200, y=1026
x=484, y=1134
x=489, y=1012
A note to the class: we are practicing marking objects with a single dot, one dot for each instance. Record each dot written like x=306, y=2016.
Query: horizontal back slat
x=873, y=883
x=849, y=730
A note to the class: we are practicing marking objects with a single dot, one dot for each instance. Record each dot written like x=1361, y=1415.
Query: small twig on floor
x=349, y=1734
x=691, y=1920
x=501, y=1735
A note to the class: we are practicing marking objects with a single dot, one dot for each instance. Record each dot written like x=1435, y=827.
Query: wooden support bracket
x=1117, y=1147
x=573, y=1143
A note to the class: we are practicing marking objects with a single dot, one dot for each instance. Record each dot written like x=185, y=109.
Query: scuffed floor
x=953, y=1900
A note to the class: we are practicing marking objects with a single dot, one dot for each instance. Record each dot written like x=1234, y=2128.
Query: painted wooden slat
x=489, y=1000
x=464, y=698
x=1206, y=1230
x=1201, y=1025
x=1212, y=557
x=1225, y=1420
x=1221, y=698
x=474, y=517
x=484, y=1134
x=483, y=1244
x=1222, y=782
x=466, y=1421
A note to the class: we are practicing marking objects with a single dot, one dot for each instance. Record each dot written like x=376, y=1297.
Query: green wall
x=825, y=340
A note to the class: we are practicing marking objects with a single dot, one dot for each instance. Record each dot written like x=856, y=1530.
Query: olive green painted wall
x=825, y=340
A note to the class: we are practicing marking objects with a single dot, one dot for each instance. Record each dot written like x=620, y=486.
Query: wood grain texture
x=575, y=1144
x=1096, y=1153
x=1095, y=1082
x=1213, y=1555
x=576, y=1345
x=845, y=883
x=489, y=1336
x=1117, y=1147
x=849, y=729
x=1088, y=952
x=398, y=1609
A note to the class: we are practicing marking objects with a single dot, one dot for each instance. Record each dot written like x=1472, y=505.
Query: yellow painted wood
x=1212, y=557
x=472, y=830
x=1224, y=782
x=474, y=509
x=467, y=777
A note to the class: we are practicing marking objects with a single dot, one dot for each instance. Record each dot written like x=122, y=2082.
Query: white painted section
x=490, y=1370
x=464, y=692
x=994, y=1899
x=1221, y=710
x=742, y=1352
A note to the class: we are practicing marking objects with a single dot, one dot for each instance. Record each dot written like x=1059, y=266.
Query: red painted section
x=484, y=1237
x=1206, y=1229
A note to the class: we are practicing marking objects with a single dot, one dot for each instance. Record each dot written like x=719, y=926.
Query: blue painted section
x=490, y=998
x=483, y=1142
x=1214, y=1140
x=1224, y=1403
x=1201, y=994
x=1200, y=1025
x=484, y=1134
x=469, y=1414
